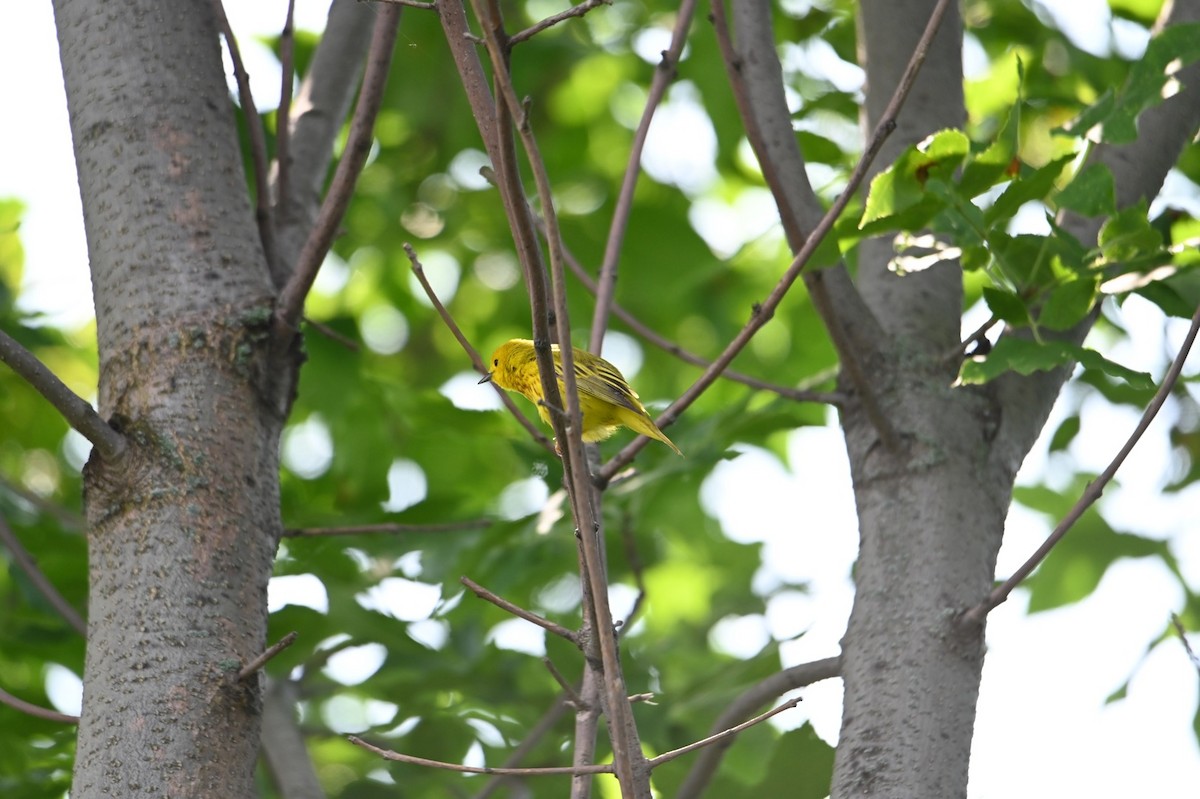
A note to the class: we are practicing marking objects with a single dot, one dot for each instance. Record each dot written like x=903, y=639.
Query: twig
x=766, y=690
x=283, y=115
x=663, y=343
x=258, y=141
x=78, y=413
x=331, y=334
x=569, y=691
x=519, y=612
x=666, y=757
x=1094, y=489
x=23, y=559
x=341, y=189
x=459, y=767
x=1178, y=625
x=634, y=559
x=368, y=529
x=536, y=734
x=35, y=711
x=409, y=3
x=476, y=359
x=663, y=75
x=253, y=666
x=551, y=21
x=629, y=761
x=66, y=518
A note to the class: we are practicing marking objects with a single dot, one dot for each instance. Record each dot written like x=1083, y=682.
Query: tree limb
x=28, y=565
x=79, y=413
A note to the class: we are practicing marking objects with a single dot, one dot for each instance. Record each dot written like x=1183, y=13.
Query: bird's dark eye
x=495, y=362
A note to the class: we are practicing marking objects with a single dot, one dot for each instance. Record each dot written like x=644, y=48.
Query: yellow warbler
x=605, y=400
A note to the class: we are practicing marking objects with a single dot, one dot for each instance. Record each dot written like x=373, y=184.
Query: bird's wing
x=606, y=385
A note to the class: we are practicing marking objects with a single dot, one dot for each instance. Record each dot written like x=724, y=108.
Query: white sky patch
x=464, y=391
x=64, y=689
x=384, y=329
x=816, y=58
x=522, y=498
x=1085, y=23
x=430, y=633
x=464, y=169
x=519, y=635
x=726, y=227
x=442, y=271
x=406, y=485
x=741, y=637
x=308, y=448
x=302, y=590
x=401, y=598
x=681, y=146
x=623, y=352
x=355, y=665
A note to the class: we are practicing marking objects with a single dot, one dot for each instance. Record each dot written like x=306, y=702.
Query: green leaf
x=801, y=767
x=1006, y=305
x=1026, y=357
x=1091, y=193
x=1069, y=303
x=1147, y=85
x=1032, y=184
x=901, y=186
x=1127, y=235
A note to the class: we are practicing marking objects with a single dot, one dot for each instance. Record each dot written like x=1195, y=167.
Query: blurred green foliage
x=402, y=404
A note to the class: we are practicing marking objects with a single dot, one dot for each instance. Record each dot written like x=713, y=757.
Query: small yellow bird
x=605, y=400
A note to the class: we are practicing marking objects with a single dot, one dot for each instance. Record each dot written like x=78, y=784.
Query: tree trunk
x=183, y=528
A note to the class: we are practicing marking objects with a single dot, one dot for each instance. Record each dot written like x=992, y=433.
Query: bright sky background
x=1043, y=729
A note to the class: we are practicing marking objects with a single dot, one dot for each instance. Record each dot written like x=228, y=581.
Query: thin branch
x=253, y=666
x=409, y=3
x=519, y=612
x=572, y=696
x=663, y=75
x=536, y=734
x=78, y=413
x=551, y=21
x=763, y=313
x=42, y=583
x=980, y=332
x=283, y=114
x=651, y=336
x=459, y=767
x=258, y=141
x=1094, y=489
x=334, y=336
x=67, y=518
x=341, y=189
x=35, y=711
x=476, y=360
x=666, y=757
x=390, y=528
x=1178, y=625
x=634, y=559
x=766, y=690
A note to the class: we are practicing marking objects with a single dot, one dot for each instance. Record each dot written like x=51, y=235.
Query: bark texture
x=183, y=528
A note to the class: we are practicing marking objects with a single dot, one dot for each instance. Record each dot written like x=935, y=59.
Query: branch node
x=253, y=666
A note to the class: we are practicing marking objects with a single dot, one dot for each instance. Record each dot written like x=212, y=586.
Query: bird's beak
x=485, y=379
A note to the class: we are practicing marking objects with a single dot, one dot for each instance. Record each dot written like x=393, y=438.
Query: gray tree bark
x=182, y=529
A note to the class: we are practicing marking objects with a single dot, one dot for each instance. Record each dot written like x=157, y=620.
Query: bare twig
x=519, y=612
x=358, y=145
x=78, y=413
x=551, y=21
x=23, y=559
x=569, y=691
x=253, y=666
x=536, y=734
x=663, y=343
x=67, y=518
x=663, y=75
x=978, y=333
x=472, y=353
x=1178, y=625
x=283, y=115
x=459, y=767
x=258, y=141
x=766, y=690
x=666, y=757
x=409, y=3
x=35, y=711
x=331, y=334
x=1094, y=489
x=389, y=528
